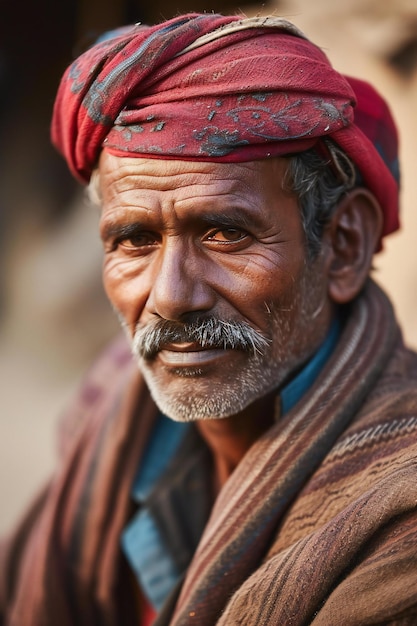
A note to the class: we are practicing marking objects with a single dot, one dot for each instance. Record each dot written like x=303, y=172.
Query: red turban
x=214, y=88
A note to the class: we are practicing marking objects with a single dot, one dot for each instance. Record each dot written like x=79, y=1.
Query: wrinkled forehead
x=183, y=199
x=117, y=173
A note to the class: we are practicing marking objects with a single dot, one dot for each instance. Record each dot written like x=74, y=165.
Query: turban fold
x=207, y=87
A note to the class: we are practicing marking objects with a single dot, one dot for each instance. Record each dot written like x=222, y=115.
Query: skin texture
x=185, y=240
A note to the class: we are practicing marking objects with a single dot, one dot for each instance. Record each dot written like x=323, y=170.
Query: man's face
x=206, y=266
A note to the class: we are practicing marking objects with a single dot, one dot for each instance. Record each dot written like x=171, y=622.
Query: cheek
x=126, y=290
x=259, y=289
x=303, y=319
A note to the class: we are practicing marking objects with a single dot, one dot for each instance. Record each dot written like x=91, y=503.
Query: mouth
x=190, y=354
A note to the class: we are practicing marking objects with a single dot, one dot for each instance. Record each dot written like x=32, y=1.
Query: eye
x=138, y=240
x=138, y=243
x=227, y=235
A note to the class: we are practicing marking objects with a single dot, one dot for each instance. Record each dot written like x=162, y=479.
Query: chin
x=209, y=401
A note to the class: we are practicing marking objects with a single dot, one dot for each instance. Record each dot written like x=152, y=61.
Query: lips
x=189, y=354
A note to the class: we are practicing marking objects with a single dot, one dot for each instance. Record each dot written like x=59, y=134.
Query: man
x=259, y=466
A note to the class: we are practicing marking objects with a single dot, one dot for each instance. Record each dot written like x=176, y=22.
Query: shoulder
x=348, y=540
x=376, y=454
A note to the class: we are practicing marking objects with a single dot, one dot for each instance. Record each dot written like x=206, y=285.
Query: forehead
x=177, y=187
x=117, y=173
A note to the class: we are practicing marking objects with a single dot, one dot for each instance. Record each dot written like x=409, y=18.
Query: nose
x=180, y=283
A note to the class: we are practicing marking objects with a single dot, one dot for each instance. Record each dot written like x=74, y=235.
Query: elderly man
x=259, y=466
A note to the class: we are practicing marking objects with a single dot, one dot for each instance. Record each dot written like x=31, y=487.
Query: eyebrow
x=117, y=231
x=233, y=218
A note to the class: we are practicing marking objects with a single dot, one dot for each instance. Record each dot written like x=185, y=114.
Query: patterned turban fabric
x=207, y=87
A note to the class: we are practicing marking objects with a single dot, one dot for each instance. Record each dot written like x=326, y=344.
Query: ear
x=352, y=236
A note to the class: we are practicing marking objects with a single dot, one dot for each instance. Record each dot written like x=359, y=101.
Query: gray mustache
x=208, y=332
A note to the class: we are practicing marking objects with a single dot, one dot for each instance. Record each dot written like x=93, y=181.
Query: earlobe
x=352, y=238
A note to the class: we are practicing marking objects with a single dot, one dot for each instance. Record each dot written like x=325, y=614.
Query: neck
x=230, y=438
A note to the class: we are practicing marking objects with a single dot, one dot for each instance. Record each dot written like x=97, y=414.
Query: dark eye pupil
x=231, y=234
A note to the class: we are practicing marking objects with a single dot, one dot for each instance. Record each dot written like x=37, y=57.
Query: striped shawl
x=317, y=525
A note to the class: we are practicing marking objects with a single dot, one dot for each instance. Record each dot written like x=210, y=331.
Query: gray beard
x=233, y=392
x=214, y=399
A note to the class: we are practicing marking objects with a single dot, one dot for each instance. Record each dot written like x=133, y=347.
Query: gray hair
x=319, y=182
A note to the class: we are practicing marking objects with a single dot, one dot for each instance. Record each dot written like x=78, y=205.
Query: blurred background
x=54, y=317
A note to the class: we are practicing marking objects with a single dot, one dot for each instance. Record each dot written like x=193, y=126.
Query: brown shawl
x=317, y=525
